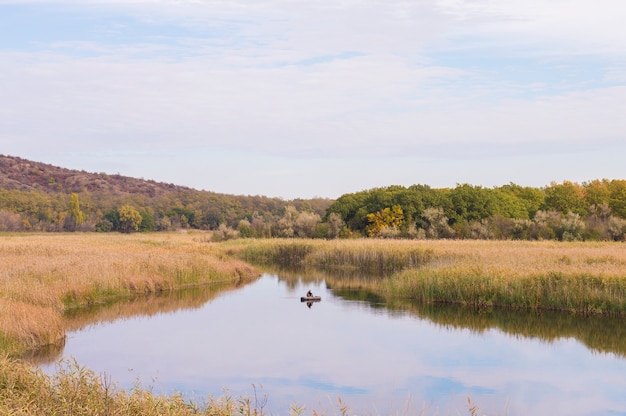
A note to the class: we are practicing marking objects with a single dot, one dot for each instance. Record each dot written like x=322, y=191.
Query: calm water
x=379, y=359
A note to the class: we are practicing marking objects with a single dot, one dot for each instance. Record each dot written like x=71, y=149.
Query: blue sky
x=300, y=99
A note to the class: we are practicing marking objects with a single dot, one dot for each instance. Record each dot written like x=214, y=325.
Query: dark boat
x=310, y=298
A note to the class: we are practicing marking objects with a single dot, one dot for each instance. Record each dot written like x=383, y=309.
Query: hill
x=40, y=194
x=41, y=197
x=26, y=175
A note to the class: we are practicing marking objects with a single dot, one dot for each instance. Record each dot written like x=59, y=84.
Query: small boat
x=310, y=298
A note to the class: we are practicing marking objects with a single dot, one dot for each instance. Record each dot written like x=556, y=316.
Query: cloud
x=312, y=81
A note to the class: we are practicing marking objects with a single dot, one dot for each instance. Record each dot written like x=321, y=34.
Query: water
x=261, y=341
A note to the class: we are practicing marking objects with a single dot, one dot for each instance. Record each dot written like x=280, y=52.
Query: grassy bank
x=577, y=277
x=77, y=391
x=44, y=275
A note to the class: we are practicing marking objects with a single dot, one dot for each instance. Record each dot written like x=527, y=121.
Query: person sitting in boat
x=309, y=294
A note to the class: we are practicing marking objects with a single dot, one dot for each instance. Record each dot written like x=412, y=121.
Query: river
x=261, y=341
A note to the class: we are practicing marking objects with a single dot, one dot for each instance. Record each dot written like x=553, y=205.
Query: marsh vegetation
x=576, y=277
x=50, y=280
x=44, y=275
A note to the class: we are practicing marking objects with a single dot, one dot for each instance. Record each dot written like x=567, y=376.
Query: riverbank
x=44, y=275
x=75, y=390
x=580, y=277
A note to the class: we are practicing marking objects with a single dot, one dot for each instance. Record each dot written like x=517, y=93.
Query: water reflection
x=605, y=334
x=381, y=359
x=142, y=306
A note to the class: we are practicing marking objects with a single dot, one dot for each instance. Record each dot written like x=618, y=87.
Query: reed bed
x=367, y=256
x=44, y=275
x=577, y=277
x=580, y=277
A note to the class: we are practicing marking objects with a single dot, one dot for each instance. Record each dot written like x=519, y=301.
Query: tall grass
x=43, y=275
x=75, y=390
x=579, y=277
x=366, y=256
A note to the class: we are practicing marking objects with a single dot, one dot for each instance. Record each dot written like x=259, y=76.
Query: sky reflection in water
x=262, y=338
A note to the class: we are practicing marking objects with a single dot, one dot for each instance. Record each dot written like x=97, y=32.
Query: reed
x=75, y=390
x=579, y=277
x=43, y=275
x=370, y=256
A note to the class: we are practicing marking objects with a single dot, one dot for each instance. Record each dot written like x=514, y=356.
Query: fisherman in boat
x=309, y=294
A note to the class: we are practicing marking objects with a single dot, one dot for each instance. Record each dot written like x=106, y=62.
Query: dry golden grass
x=582, y=277
x=514, y=259
x=507, y=258
x=365, y=255
x=43, y=274
x=75, y=390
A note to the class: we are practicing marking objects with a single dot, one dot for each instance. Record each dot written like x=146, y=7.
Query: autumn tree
x=306, y=223
x=597, y=193
x=387, y=219
x=435, y=223
x=336, y=225
x=287, y=221
x=130, y=219
x=75, y=216
x=245, y=228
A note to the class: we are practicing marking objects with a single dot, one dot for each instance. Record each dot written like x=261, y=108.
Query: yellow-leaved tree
x=130, y=219
x=75, y=217
x=387, y=219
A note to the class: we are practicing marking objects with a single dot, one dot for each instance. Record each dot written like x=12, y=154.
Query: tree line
x=594, y=210
x=36, y=210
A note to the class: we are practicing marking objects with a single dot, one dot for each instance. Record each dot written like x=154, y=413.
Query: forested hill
x=25, y=175
x=37, y=196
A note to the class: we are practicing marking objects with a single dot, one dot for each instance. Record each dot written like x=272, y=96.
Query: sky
x=318, y=98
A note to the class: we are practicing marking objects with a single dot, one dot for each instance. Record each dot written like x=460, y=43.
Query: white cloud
x=312, y=80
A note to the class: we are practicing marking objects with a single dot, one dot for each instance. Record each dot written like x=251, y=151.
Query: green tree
x=617, y=201
x=110, y=222
x=565, y=198
x=147, y=220
x=510, y=205
x=130, y=219
x=472, y=203
x=532, y=198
